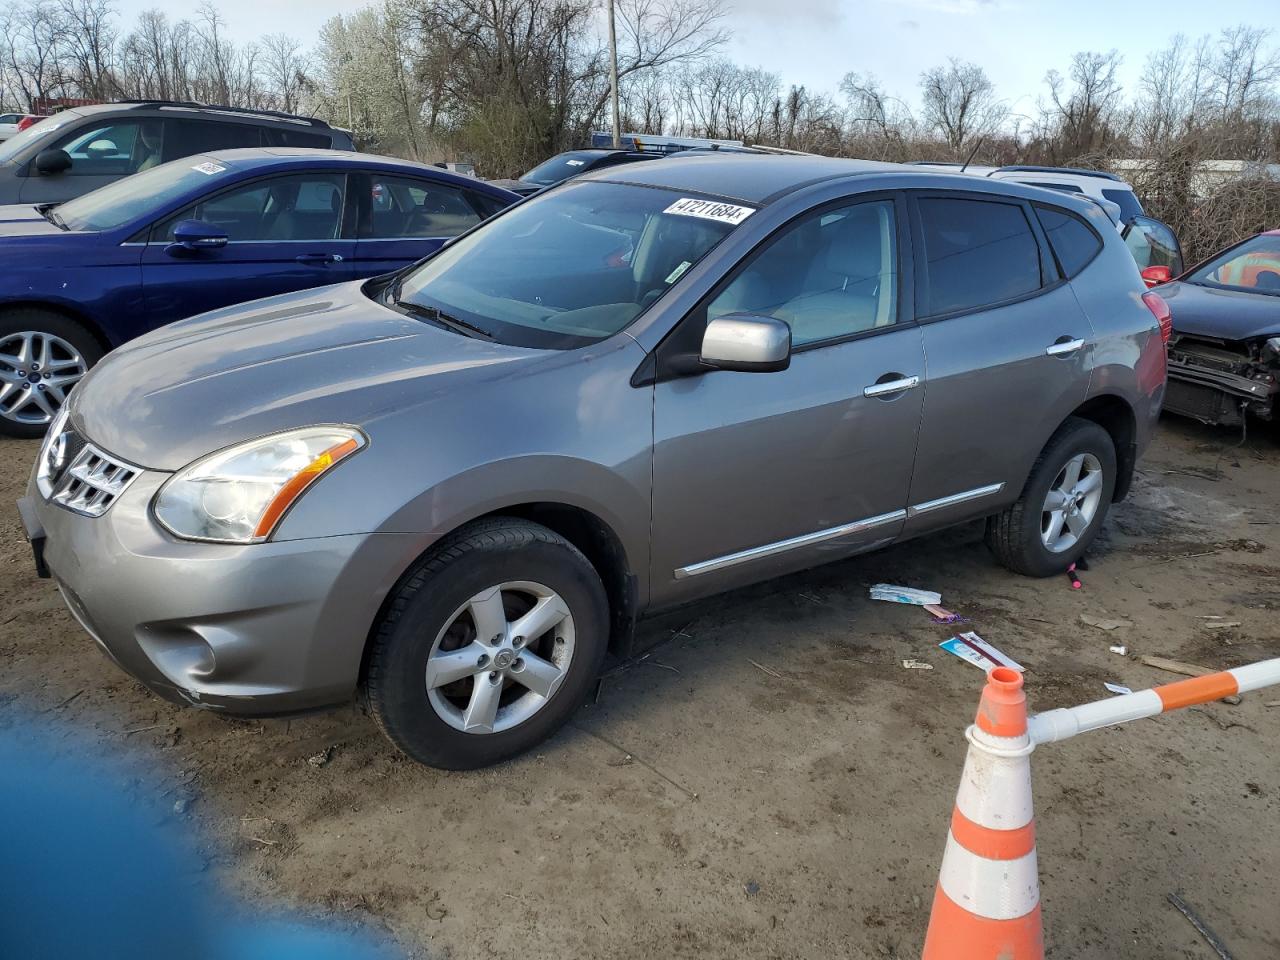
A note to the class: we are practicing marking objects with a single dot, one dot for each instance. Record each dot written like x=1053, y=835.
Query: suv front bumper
x=254, y=630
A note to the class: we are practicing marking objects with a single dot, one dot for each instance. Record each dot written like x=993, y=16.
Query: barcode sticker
x=710, y=210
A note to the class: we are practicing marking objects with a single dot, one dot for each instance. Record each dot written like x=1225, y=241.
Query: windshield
x=37, y=131
x=560, y=167
x=1253, y=266
x=118, y=203
x=569, y=267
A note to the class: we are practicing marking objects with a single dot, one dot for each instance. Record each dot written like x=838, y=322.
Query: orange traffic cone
x=987, y=905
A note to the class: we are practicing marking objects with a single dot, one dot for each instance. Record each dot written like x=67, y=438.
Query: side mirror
x=1154, y=276
x=52, y=161
x=190, y=236
x=746, y=342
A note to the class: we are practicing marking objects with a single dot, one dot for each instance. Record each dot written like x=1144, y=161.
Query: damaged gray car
x=1224, y=356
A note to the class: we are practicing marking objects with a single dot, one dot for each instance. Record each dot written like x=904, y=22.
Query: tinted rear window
x=289, y=137
x=977, y=252
x=184, y=138
x=1127, y=200
x=1074, y=242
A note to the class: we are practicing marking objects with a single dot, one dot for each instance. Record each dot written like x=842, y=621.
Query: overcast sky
x=816, y=42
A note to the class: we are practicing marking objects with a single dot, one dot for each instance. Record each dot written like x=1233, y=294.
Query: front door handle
x=883, y=388
x=319, y=258
x=1063, y=347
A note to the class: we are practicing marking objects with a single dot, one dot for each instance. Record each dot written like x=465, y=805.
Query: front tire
x=488, y=645
x=42, y=356
x=1063, y=504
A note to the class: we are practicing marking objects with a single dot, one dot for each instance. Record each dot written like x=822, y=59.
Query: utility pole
x=613, y=79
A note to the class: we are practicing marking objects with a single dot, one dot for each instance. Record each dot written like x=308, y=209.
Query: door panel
x=756, y=474
x=744, y=461
x=1000, y=379
x=285, y=234
x=101, y=153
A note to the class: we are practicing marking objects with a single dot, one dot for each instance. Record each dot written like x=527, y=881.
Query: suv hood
x=329, y=355
x=1223, y=314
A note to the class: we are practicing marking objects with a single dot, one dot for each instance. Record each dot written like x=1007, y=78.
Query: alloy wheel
x=500, y=657
x=1072, y=503
x=37, y=370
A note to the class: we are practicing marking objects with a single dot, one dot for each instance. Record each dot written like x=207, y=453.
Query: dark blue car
x=81, y=277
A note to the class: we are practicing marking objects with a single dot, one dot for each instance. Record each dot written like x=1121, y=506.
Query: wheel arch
x=597, y=540
x=94, y=328
x=1115, y=415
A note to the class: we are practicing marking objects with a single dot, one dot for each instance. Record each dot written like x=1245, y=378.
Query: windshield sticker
x=710, y=210
x=678, y=272
x=209, y=168
x=575, y=163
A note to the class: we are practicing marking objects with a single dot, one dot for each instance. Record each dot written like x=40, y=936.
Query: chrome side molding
x=962, y=497
x=804, y=540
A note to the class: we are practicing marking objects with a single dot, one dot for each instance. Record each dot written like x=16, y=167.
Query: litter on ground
x=1117, y=688
x=1102, y=623
x=972, y=648
x=887, y=591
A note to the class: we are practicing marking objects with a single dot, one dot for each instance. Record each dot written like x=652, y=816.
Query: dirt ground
x=770, y=781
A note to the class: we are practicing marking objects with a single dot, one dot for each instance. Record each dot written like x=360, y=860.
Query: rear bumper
x=255, y=630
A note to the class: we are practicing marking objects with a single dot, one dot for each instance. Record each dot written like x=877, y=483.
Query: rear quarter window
x=1127, y=201
x=976, y=253
x=1073, y=241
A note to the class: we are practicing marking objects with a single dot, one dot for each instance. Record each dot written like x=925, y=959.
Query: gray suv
x=455, y=488
x=75, y=151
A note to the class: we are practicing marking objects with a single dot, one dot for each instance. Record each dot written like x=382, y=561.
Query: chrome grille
x=91, y=481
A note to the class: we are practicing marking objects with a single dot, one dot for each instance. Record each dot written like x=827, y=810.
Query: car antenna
x=972, y=153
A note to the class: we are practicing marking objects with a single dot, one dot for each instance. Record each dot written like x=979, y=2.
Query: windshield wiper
x=51, y=215
x=439, y=317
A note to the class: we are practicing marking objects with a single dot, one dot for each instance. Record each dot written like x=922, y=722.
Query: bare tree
x=285, y=69
x=1084, y=105
x=960, y=103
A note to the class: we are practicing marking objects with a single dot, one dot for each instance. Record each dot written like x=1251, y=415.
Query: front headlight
x=238, y=495
x=1271, y=350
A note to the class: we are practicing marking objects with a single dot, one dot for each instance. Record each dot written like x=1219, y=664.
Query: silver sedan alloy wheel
x=500, y=657
x=37, y=370
x=1072, y=503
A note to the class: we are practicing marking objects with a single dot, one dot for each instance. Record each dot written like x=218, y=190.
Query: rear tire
x=42, y=356
x=1028, y=537
x=450, y=680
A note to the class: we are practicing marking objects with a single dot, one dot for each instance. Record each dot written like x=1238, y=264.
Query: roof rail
x=1075, y=171
x=220, y=108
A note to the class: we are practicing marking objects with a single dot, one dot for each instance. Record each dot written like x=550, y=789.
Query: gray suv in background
x=455, y=488
x=75, y=151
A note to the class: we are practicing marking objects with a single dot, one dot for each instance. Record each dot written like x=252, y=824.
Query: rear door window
x=403, y=207
x=1073, y=241
x=976, y=253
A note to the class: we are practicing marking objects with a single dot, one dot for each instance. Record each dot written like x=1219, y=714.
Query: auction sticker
x=710, y=210
x=209, y=168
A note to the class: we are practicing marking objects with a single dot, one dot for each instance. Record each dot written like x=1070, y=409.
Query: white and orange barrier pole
x=1067, y=722
x=987, y=904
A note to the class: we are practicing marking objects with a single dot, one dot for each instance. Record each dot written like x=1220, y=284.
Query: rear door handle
x=1063, y=347
x=319, y=258
x=879, y=389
